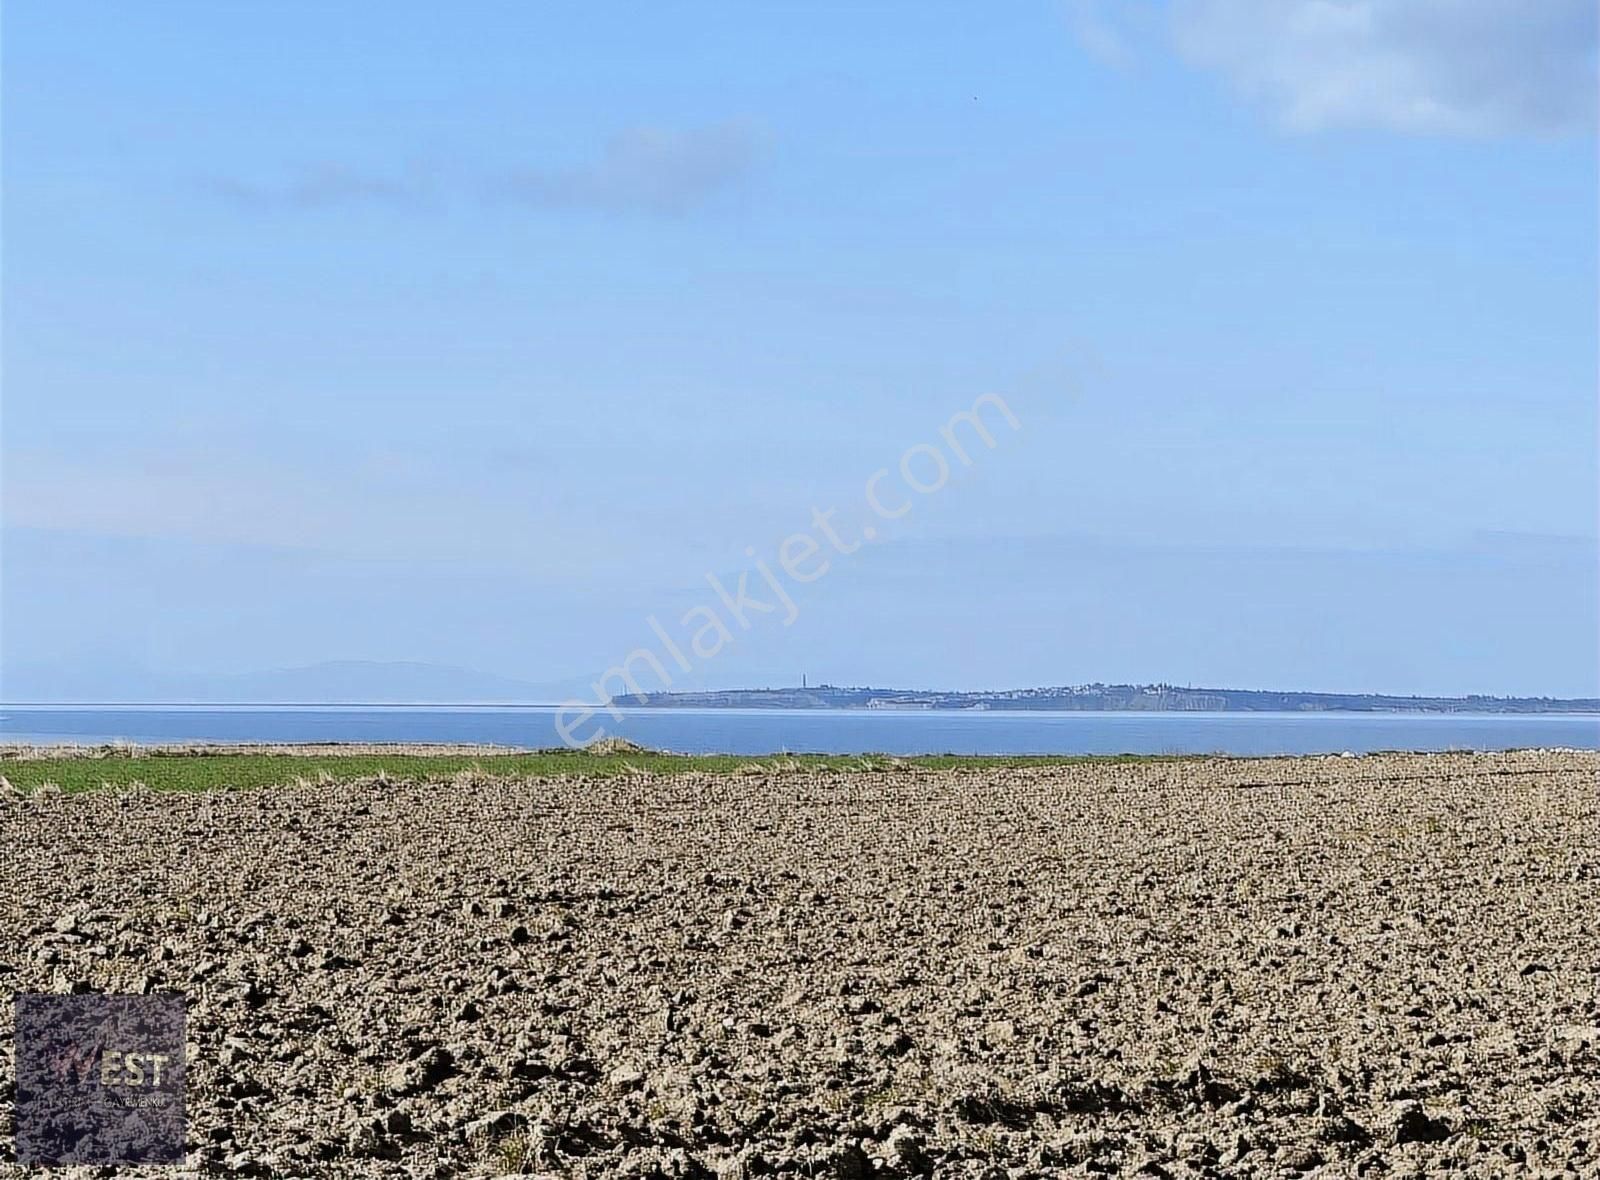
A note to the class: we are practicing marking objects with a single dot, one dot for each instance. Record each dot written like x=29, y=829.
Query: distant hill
x=1106, y=698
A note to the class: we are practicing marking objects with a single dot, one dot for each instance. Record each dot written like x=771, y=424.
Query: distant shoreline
x=1095, y=698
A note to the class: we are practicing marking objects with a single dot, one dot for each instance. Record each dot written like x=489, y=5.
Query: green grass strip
x=222, y=771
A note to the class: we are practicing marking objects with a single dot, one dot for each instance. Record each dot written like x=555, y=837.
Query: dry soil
x=1384, y=966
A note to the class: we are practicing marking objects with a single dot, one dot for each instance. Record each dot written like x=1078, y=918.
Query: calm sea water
x=761, y=731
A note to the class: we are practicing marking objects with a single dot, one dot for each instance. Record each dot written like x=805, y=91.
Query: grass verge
x=223, y=771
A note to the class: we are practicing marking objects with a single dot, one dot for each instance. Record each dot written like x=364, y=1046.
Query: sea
x=832, y=731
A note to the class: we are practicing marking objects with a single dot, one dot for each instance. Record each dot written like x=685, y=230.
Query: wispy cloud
x=645, y=170
x=652, y=170
x=1434, y=67
x=1100, y=34
x=330, y=185
x=1457, y=67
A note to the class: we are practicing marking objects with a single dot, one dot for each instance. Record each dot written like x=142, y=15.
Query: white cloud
x=1460, y=67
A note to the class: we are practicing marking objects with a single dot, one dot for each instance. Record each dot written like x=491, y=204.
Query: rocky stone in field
x=846, y=1161
x=496, y=1125
x=908, y=1149
x=1297, y=1159
x=1410, y=1123
x=422, y=1073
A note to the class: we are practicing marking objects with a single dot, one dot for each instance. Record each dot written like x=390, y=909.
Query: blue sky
x=481, y=334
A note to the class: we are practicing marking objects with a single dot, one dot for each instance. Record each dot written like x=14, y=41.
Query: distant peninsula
x=1118, y=698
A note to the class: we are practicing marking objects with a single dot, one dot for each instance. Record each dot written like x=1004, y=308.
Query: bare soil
x=1383, y=966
